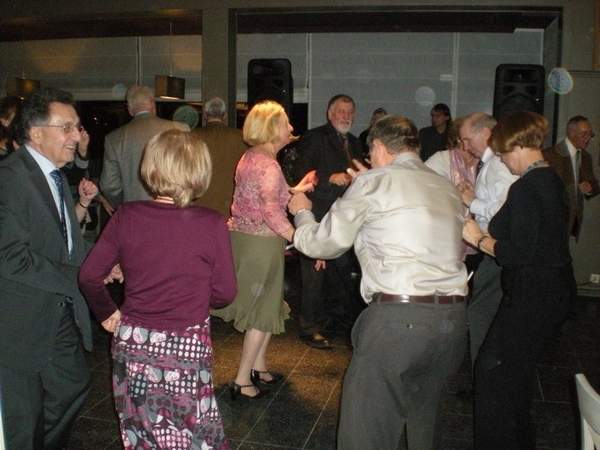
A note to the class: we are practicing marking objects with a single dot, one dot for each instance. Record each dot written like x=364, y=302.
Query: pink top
x=260, y=197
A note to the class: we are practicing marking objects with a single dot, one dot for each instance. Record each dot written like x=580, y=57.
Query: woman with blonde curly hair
x=259, y=232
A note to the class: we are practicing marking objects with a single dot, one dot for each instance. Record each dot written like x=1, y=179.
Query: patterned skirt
x=163, y=389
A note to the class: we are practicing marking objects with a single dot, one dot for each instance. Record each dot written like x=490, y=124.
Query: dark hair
x=573, y=121
x=343, y=97
x=443, y=108
x=396, y=133
x=35, y=110
x=8, y=105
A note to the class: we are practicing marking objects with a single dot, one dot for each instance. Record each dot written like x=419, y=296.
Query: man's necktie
x=57, y=177
x=579, y=195
x=479, y=165
x=347, y=151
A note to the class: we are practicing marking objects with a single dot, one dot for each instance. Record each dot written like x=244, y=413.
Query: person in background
x=177, y=260
x=8, y=109
x=259, y=233
x=377, y=114
x=457, y=165
x=226, y=146
x=412, y=337
x=565, y=157
x=528, y=237
x=120, y=178
x=433, y=138
x=483, y=200
x=44, y=320
x=329, y=149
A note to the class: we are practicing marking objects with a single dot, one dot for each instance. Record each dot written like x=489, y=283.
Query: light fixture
x=20, y=87
x=168, y=86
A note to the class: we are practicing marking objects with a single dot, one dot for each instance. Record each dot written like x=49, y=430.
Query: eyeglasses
x=585, y=134
x=67, y=127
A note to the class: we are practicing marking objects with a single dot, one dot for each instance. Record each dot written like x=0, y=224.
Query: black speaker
x=271, y=79
x=519, y=86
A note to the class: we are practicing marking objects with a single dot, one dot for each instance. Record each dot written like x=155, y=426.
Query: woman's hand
x=307, y=184
x=471, y=231
x=87, y=190
x=116, y=274
x=112, y=322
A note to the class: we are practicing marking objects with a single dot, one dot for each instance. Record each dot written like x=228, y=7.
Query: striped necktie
x=57, y=177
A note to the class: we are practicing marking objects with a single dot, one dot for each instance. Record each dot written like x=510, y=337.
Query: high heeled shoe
x=255, y=377
x=235, y=390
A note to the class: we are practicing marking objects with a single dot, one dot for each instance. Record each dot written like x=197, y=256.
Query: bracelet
x=81, y=204
x=301, y=209
x=480, y=241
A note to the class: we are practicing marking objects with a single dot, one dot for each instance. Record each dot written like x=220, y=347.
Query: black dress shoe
x=276, y=377
x=235, y=390
x=317, y=340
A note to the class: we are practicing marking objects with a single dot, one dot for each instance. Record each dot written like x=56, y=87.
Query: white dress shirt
x=491, y=188
x=405, y=222
x=46, y=166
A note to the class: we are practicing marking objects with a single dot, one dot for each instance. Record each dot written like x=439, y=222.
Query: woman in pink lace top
x=259, y=229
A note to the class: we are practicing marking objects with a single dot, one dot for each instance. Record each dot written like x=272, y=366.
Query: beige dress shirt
x=405, y=222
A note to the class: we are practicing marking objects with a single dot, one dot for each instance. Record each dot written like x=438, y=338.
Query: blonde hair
x=139, y=98
x=177, y=164
x=262, y=123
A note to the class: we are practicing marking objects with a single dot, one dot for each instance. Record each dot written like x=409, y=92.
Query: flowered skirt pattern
x=163, y=389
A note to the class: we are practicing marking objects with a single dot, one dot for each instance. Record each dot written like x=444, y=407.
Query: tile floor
x=301, y=413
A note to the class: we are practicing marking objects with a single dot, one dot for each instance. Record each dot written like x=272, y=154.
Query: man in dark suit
x=226, y=147
x=120, y=180
x=44, y=320
x=328, y=149
x=565, y=157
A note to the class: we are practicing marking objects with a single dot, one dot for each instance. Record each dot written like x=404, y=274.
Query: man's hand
x=585, y=187
x=467, y=191
x=106, y=205
x=340, y=179
x=361, y=169
x=320, y=264
x=298, y=202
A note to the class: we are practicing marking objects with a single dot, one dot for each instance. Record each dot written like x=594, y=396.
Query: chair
x=589, y=407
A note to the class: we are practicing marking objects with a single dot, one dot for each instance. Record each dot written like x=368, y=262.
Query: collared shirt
x=46, y=166
x=405, y=222
x=573, y=152
x=491, y=188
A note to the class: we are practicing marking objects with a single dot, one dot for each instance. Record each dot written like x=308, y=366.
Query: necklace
x=164, y=199
x=539, y=163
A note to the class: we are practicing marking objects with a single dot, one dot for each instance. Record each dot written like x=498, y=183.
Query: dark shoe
x=235, y=390
x=276, y=377
x=317, y=340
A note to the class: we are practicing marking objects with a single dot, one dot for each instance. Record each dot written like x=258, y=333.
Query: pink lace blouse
x=260, y=197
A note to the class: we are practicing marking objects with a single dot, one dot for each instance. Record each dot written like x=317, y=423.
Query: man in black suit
x=44, y=320
x=328, y=149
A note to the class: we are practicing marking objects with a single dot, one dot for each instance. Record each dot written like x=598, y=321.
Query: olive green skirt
x=259, y=266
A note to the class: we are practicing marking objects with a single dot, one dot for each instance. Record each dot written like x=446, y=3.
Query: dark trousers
x=39, y=407
x=403, y=359
x=530, y=312
x=325, y=293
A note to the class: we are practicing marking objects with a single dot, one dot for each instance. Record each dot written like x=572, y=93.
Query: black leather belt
x=434, y=299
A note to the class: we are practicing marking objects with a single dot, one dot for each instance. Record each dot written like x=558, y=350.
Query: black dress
x=538, y=286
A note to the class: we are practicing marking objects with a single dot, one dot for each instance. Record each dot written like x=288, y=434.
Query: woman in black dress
x=528, y=237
